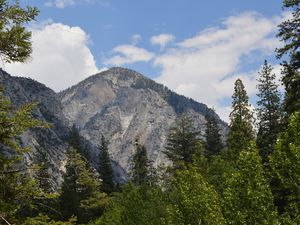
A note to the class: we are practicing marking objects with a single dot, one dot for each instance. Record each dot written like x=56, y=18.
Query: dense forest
x=253, y=177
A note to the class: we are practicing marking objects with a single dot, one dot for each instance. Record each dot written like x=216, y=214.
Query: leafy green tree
x=213, y=142
x=45, y=220
x=16, y=187
x=192, y=200
x=105, y=167
x=15, y=44
x=289, y=33
x=241, y=119
x=135, y=205
x=140, y=166
x=182, y=141
x=285, y=165
x=248, y=198
x=268, y=111
x=80, y=195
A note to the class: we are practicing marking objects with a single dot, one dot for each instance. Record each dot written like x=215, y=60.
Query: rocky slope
x=54, y=141
x=123, y=105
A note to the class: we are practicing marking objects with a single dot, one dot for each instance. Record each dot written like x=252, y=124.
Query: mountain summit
x=124, y=106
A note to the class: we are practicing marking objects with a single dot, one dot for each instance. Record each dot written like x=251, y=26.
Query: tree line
x=250, y=177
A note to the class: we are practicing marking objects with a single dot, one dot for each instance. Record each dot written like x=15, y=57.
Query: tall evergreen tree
x=105, y=167
x=241, y=120
x=289, y=33
x=182, y=141
x=140, y=166
x=15, y=44
x=268, y=111
x=16, y=186
x=76, y=141
x=80, y=195
x=285, y=167
x=248, y=198
x=213, y=143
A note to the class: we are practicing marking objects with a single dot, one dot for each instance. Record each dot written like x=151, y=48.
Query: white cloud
x=136, y=38
x=205, y=66
x=162, y=40
x=61, y=56
x=128, y=54
x=64, y=3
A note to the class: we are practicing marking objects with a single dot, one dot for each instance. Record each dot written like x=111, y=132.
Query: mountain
x=119, y=103
x=54, y=141
x=125, y=106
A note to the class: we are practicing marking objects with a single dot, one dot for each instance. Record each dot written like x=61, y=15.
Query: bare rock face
x=123, y=105
x=54, y=140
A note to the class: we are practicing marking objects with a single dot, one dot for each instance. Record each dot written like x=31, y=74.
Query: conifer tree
x=213, y=143
x=285, y=167
x=15, y=44
x=289, y=33
x=268, y=111
x=140, y=166
x=105, y=167
x=80, y=195
x=16, y=186
x=182, y=141
x=76, y=141
x=241, y=119
x=42, y=174
x=248, y=198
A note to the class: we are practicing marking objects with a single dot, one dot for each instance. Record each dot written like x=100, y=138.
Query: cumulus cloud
x=61, y=56
x=162, y=40
x=205, y=66
x=64, y=3
x=128, y=54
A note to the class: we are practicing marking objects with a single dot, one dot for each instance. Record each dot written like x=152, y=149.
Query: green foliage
x=268, y=111
x=105, y=167
x=213, y=143
x=247, y=197
x=45, y=220
x=15, y=44
x=140, y=166
x=289, y=33
x=193, y=200
x=135, y=205
x=285, y=165
x=16, y=187
x=80, y=191
x=77, y=142
x=182, y=141
x=241, y=119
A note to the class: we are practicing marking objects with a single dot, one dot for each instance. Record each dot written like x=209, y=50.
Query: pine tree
x=80, y=195
x=241, y=119
x=140, y=166
x=42, y=175
x=15, y=44
x=182, y=142
x=268, y=111
x=248, y=198
x=285, y=167
x=289, y=33
x=105, y=167
x=16, y=186
x=213, y=143
x=77, y=142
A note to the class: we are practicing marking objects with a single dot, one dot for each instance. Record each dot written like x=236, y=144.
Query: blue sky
x=196, y=48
